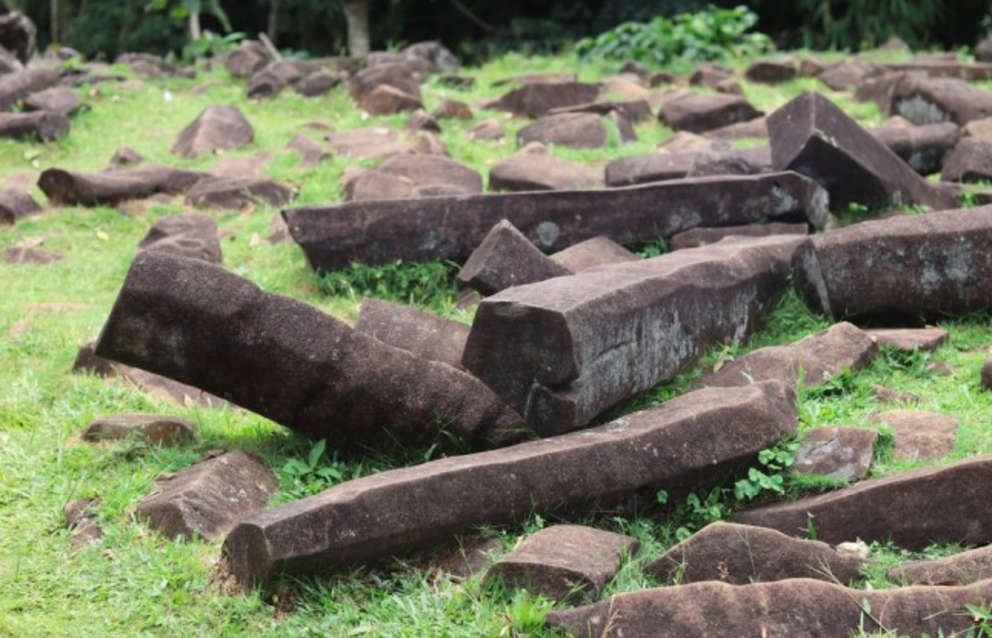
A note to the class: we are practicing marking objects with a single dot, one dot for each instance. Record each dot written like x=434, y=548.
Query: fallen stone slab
x=839, y=453
x=290, y=362
x=15, y=205
x=318, y=83
x=210, y=498
x=925, y=339
x=708, y=75
x=669, y=446
x=241, y=166
x=636, y=110
x=925, y=148
x=798, y=608
x=191, y=235
x=488, y=130
x=399, y=76
x=981, y=129
x=944, y=67
x=591, y=253
x=58, y=99
x=965, y=568
x=248, y=58
x=564, y=562
x=534, y=168
x=741, y=554
x=919, y=435
x=421, y=121
x=845, y=75
x=46, y=126
x=749, y=161
x=452, y=109
x=816, y=358
x=756, y=128
x=923, y=100
x=686, y=142
x=16, y=87
x=156, y=429
x=697, y=237
x=423, y=334
x=648, y=168
x=505, y=259
x=474, y=557
x=535, y=99
x=771, y=71
x=276, y=76
x=912, y=509
x=451, y=228
x=564, y=350
x=233, y=193
x=30, y=255
x=812, y=136
x=368, y=143
x=901, y=268
x=389, y=100
x=310, y=151
x=405, y=176
x=883, y=394
x=216, y=128
x=970, y=162
x=700, y=113
x=69, y=188
x=571, y=130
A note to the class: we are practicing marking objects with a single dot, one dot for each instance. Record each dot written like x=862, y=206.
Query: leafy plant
x=770, y=477
x=211, y=45
x=854, y=24
x=308, y=476
x=428, y=284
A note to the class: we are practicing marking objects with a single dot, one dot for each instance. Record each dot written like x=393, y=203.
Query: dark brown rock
x=925, y=148
x=839, y=453
x=811, y=68
x=971, y=161
x=883, y=394
x=421, y=121
x=46, y=126
x=686, y=142
x=756, y=128
x=701, y=113
x=9, y=62
x=400, y=77
x=926, y=339
x=564, y=350
x=624, y=127
x=470, y=559
x=534, y=168
x=15, y=205
x=290, y=362
x=58, y=99
x=844, y=76
x=505, y=259
x=944, y=65
x=310, y=151
x=276, y=76
x=591, y=253
x=632, y=111
x=125, y=156
x=18, y=35
x=80, y=515
x=748, y=161
x=812, y=136
x=238, y=192
x=209, y=498
x=660, y=78
x=964, y=568
x=450, y=228
x=191, y=235
x=389, y=100
x=730, y=86
x=709, y=75
x=923, y=100
x=488, y=130
x=168, y=431
x=452, y=109
x=537, y=99
x=30, y=255
x=771, y=71
x=740, y=555
x=564, y=562
x=318, y=83
x=649, y=168
x=798, y=608
x=16, y=87
x=987, y=375
x=901, y=268
x=704, y=236
x=670, y=446
x=107, y=189
x=217, y=128
x=920, y=436
x=368, y=143
x=423, y=334
x=981, y=129
x=249, y=58
x=912, y=509
x=572, y=130
x=406, y=176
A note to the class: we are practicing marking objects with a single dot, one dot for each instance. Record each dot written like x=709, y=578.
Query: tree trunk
x=194, y=26
x=56, y=34
x=272, y=28
x=356, y=13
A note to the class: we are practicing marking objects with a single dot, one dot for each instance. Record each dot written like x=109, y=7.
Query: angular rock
x=730, y=86
x=162, y=430
x=812, y=136
x=798, y=608
x=926, y=339
x=30, y=255
x=740, y=555
x=311, y=152
x=924, y=148
x=192, y=235
x=632, y=111
x=758, y=127
x=505, y=259
x=652, y=167
x=811, y=68
x=901, y=268
x=598, y=251
x=839, y=453
x=701, y=113
x=107, y=189
x=452, y=109
x=450, y=228
x=470, y=559
x=749, y=161
x=290, y=362
x=534, y=168
x=817, y=358
x=923, y=100
x=709, y=75
x=964, y=568
x=389, y=100
x=368, y=143
x=400, y=77
x=536, y=99
x=318, y=83
x=564, y=562
x=425, y=335
x=58, y=99
x=18, y=34
x=624, y=127
x=670, y=446
x=920, y=436
x=276, y=76
x=845, y=75
x=704, y=236
x=944, y=65
x=571, y=130
x=16, y=87
x=234, y=193
x=46, y=126
x=987, y=375
x=771, y=71
x=981, y=129
x=9, y=63
x=421, y=121
x=217, y=128
x=125, y=156
x=249, y=58
x=685, y=142
x=80, y=515
x=971, y=161
x=912, y=509
x=15, y=205
x=406, y=176
x=210, y=498
x=564, y=350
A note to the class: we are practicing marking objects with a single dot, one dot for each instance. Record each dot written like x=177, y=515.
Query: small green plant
x=428, y=284
x=982, y=617
x=526, y=613
x=303, y=477
x=770, y=476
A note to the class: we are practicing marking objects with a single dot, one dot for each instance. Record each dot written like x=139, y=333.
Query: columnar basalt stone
x=924, y=148
x=919, y=435
x=572, y=130
x=845, y=75
x=537, y=99
x=771, y=71
x=632, y=111
x=276, y=76
x=311, y=152
x=944, y=65
x=249, y=58
x=505, y=259
x=368, y=143
x=690, y=440
x=564, y=562
x=192, y=235
x=900, y=268
x=452, y=227
x=58, y=99
x=755, y=128
x=971, y=161
x=125, y=156
x=965, y=568
x=290, y=362
x=798, y=608
x=701, y=113
x=452, y=109
x=926, y=339
x=106, y=189
x=15, y=205
x=404, y=176
x=564, y=350
x=389, y=100
x=812, y=136
x=16, y=87
x=749, y=161
x=401, y=77
x=708, y=75
x=652, y=167
x=155, y=429
x=17, y=35
x=741, y=554
x=686, y=142
x=46, y=126
x=591, y=253
x=9, y=62
x=318, y=83
x=704, y=236
x=924, y=100
x=839, y=453
x=425, y=335
x=233, y=193
x=534, y=168
x=912, y=509
x=217, y=128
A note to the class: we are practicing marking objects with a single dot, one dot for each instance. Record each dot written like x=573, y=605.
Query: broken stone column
x=903, y=267
x=15, y=87
x=924, y=148
x=290, y=362
x=46, y=126
x=216, y=128
x=564, y=350
x=505, y=259
x=700, y=113
x=425, y=335
x=591, y=253
x=958, y=569
x=191, y=235
x=924, y=100
x=107, y=189
x=704, y=236
x=690, y=440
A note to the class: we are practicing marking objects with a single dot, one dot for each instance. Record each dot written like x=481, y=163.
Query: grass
x=133, y=582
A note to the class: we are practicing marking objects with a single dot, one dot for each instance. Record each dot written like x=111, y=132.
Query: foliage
x=713, y=34
x=182, y=9
x=854, y=24
x=211, y=45
x=428, y=284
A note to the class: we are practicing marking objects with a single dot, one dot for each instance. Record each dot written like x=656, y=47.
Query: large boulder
x=924, y=100
x=700, y=113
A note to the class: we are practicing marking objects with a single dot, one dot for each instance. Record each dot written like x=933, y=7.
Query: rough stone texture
x=926, y=339
x=704, y=236
x=920, y=436
x=771, y=71
x=234, y=193
x=924, y=100
x=740, y=555
x=649, y=168
x=15, y=205
x=191, y=235
x=836, y=452
x=125, y=156
x=818, y=358
x=46, y=126
x=107, y=189
x=241, y=166
x=30, y=255
x=368, y=143
x=389, y=100
x=913, y=509
x=18, y=35
x=452, y=227
x=15, y=87
x=311, y=152
x=400, y=77
x=425, y=335
x=9, y=62
x=981, y=129
x=925, y=148
x=709, y=75
x=249, y=58
x=812, y=136
x=406, y=176
x=80, y=515
x=964, y=568
x=700, y=113
x=58, y=99
x=564, y=350
x=536, y=99
x=971, y=161
x=216, y=128
x=797, y=608
x=163, y=430
x=318, y=83
x=749, y=161
x=756, y=128
x=572, y=130
x=452, y=109
x=487, y=130
x=290, y=362
x=633, y=110
x=534, y=168
x=421, y=121
x=671, y=446
x=845, y=75
x=987, y=375
x=209, y=498
x=883, y=394
x=686, y=142
x=505, y=259
x=598, y=251
x=564, y=562
x=900, y=268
